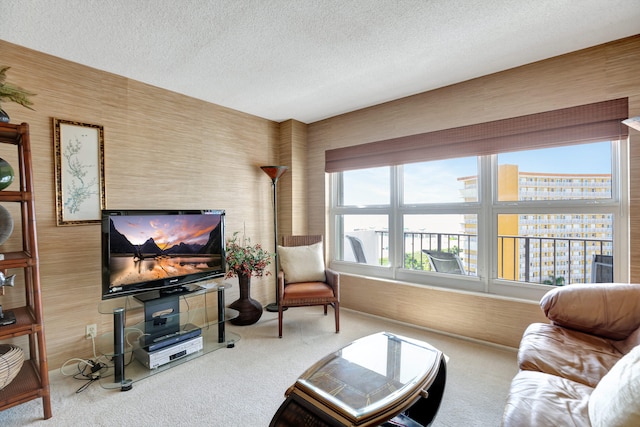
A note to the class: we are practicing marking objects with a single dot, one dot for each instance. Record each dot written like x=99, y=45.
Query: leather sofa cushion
x=626, y=345
x=570, y=354
x=539, y=399
x=609, y=310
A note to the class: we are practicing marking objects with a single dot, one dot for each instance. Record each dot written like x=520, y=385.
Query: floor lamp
x=275, y=172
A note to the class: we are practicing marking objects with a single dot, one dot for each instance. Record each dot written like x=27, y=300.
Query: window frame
x=487, y=209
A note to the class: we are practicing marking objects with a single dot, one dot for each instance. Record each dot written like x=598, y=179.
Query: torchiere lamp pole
x=275, y=172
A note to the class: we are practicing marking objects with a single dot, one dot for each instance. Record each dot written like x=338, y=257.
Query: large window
x=512, y=221
x=564, y=217
x=542, y=218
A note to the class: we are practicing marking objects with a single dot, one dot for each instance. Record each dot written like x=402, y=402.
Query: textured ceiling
x=310, y=59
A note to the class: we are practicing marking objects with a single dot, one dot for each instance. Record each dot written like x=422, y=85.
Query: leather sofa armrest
x=610, y=310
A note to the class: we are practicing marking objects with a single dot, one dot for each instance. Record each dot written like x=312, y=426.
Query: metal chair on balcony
x=602, y=269
x=445, y=262
x=358, y=250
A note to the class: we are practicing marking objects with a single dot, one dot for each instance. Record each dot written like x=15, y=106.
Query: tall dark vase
x=250, y=310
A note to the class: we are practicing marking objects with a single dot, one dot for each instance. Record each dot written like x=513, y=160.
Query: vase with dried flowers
x=13, y=93
x=244, y=260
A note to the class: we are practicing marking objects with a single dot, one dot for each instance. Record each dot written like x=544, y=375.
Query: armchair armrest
x=610, y=310
x=280, y=283
x=333, y=280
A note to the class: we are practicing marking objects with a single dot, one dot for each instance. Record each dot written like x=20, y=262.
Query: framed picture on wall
x=79, y=170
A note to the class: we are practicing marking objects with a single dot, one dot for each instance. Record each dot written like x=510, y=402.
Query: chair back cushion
x=302, y=263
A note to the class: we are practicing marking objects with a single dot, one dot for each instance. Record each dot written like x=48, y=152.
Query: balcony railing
x=416, y=243
x=547, y=260
x=550, y=260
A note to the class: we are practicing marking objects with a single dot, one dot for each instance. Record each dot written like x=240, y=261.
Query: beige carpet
x=245, y=385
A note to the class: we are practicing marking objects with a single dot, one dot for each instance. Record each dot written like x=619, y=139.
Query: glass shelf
x=133, y=303
x=146, y=334
x=136, y=371
x=163, y=335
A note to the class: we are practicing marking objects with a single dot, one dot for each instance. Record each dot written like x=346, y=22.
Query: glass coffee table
x=381, y=379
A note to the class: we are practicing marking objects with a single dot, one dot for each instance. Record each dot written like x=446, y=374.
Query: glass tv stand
x=154, y=332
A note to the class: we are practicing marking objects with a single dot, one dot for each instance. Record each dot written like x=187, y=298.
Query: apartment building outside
x=545, y=248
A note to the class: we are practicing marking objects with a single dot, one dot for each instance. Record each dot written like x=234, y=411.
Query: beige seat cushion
x=307, y=292
x=615, y=402
x=302, y=263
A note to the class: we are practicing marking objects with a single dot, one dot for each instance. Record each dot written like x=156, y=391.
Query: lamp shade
x=274, y=172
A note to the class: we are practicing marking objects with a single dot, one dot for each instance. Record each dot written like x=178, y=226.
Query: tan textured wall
x=163, y=150
x=604, y=72
x=292, y=187
x=491, y=319
x=299, y=167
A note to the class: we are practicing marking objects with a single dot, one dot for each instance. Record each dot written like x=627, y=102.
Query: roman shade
x=599, y=121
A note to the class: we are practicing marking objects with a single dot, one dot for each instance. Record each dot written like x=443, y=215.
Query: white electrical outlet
x=92, y=331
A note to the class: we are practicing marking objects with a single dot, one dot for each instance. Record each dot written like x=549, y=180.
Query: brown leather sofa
x=583, y=367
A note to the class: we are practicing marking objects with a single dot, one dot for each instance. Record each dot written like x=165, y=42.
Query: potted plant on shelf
x=245, y=260
x=13, y=93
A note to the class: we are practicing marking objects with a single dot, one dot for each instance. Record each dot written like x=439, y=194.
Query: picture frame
x=79, y=172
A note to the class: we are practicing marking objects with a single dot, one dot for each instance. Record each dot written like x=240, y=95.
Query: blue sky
x=438, y=181
x=587, y=158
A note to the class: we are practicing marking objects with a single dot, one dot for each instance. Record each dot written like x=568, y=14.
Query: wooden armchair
x=303, y=279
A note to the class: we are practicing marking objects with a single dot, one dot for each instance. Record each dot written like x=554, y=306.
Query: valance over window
x=599, y=121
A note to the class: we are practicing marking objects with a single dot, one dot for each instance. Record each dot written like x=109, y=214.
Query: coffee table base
x=382, y=379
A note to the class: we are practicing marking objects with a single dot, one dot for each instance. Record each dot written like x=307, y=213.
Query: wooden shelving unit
x=33, y=380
